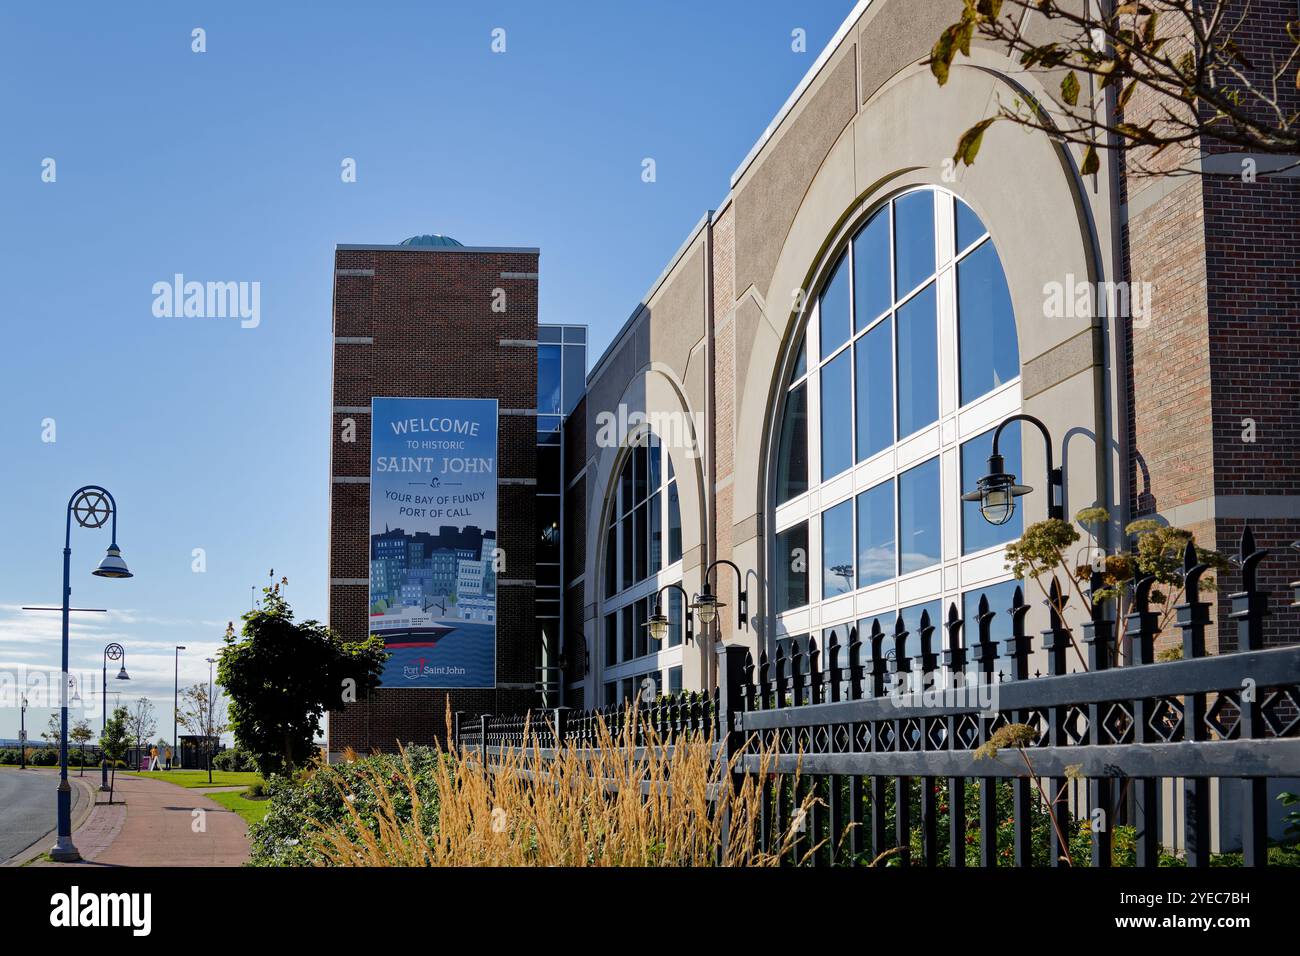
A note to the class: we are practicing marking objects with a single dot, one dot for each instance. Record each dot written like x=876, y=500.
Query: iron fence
x=900, y=751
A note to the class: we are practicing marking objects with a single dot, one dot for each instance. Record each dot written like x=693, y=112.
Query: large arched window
x=907, y=361
x=643, y=552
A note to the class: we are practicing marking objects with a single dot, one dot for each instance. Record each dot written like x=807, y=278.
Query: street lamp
x=657, y=623
x=22, y=736
x=112, y=652
x=176, y=698
x=92, y=506
x=707, y=604
x=997, y=491
x=211, y=661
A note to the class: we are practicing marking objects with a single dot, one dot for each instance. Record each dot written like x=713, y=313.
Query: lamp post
x=112, y=652
x=997, y=491
x=22, y=736
x=657, y=624
x=707, y=604
x=211, y=661
x=92, y=506
x=176, y=697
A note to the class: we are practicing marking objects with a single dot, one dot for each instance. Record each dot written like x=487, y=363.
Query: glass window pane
x=639, y=456
x=986, y=325
x=627, y=637
x=674, y=525
x=969, y=227
x=977, y=534
x=837, y=440
x=1000, y=597
x=611, y=560
x=877, y=557
x=872, y=291
x=575, y=375
x=628, y=544
x=674, y=680
x=611, y=693
x=548, y=380
x=918, y=363
x=655, y=455
x=625, y=487
x=790, y=568
x=549, y=333
x=575, y=333
x=912, y=646
x=835, y=308
x=800, y=363
x=641, y=636
x=792, y=458
x=656, y=532
x=919, y=540
x=642, y=542
x=837, y=550
x=913, y=240
x=874, y=368
x=611, y=639
x=675, y=620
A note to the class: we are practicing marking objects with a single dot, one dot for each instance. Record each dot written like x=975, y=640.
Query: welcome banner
x=433, y=539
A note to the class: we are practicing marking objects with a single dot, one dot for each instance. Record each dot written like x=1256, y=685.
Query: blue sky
x=225, y=166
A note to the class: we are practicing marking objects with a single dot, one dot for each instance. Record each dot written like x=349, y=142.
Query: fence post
x=731, y=689
x=455, y=731
x=560, y=731
x=1143, y=623
x=482, y=740
x=1249, y=608
x=954, y=659
x=1099, y=635
x=1193, y=617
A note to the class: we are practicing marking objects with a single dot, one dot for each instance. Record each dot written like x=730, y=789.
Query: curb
x=23, y=857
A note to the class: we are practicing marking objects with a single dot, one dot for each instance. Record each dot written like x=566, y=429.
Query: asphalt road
x=27, y=808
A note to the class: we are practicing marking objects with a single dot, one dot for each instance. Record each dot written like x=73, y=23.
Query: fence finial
x=954, y=657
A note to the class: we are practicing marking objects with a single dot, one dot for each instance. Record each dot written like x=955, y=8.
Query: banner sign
x=433, y=539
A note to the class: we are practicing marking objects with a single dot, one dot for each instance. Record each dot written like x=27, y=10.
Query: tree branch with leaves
x=1187, y=56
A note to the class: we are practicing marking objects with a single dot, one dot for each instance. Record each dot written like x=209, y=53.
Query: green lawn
x=198, y=778
x=250, y=810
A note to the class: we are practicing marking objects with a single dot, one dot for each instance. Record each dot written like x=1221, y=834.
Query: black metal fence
x=897, y=749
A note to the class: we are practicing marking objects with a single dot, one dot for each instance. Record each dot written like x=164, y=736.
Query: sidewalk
x=158, y=826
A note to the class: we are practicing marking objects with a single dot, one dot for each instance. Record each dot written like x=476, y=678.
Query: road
x=27, y=807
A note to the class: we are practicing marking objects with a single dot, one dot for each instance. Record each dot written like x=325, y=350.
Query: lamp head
x=997, y=493
x=657, y=625
x=112, y=566
x=706, y=604
x=121, y=674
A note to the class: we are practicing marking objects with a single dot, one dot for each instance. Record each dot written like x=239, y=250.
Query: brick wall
x=435, y=334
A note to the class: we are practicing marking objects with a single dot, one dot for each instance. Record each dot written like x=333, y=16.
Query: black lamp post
x=997, y=491
x=112, y=652
x=92, y=506
x=22, y=736
x=211, y=661
x=707, y=604
x=657, y=624
x=176, y=699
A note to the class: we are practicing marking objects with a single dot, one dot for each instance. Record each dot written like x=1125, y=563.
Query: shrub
x=45, y=757
x=257, y=789
x=235, y=760
x=9, y=757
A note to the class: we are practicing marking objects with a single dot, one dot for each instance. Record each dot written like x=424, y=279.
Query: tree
x=282, y=676
x=1185, y=57
x=141, y=723
x=80, y=734
x=53, y=730
x=113, y=743
x=194, y=714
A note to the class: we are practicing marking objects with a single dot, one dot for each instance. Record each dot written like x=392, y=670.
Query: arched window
x=643, y=552
x=907, y=360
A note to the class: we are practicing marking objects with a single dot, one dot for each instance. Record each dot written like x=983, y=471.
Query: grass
x=538, y=812
x=192, y=779
x=251, y=810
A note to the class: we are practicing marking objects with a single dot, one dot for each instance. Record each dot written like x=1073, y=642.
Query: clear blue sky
x=225, y=165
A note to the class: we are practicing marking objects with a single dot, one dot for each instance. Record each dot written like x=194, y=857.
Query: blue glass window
x=913, y=240
x=999, y=596
x=969, y=227
x=872, y=290
x=977, y=534
x=919, y=539
x=837, y=395
x=837, y=550
x=874, y=360
x=548, y=380
x=790, y=567
x=792, y=461
x=986, y=325
x=918, y=363
x=877, y=556
x=835, y=309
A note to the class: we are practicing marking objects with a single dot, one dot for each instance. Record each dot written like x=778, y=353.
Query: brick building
x=818, y=371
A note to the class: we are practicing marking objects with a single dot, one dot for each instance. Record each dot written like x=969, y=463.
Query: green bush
x=235, y=760
x=256, y=789
x=278, y=839
x=45, y=757
x=9, y=757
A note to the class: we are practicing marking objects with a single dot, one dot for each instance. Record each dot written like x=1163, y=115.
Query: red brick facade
x=419, y=321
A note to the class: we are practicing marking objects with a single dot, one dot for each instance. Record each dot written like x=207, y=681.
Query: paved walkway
x=160, y=824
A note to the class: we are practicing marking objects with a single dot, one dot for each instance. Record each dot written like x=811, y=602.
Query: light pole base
x=64, y=851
